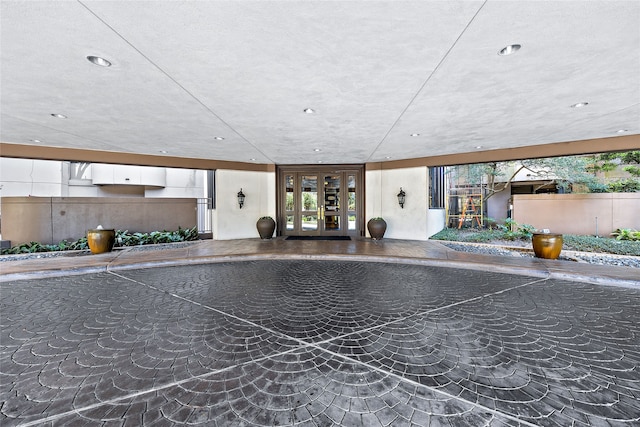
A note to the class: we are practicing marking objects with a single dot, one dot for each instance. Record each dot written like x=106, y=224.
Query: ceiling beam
x=569, y=148
x=23, y=151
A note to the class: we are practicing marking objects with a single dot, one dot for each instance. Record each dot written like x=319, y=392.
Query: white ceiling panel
x=185, y=72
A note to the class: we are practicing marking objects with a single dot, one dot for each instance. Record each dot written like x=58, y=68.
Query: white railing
x=204, y=215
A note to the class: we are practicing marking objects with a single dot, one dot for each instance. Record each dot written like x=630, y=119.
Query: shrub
x=450, y=234
x=123, y=238
x=624, y=186
x=571, y=241
x=512, y=230
x=600, y=244
x=626, y=234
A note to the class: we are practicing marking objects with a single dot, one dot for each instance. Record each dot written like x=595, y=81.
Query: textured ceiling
x=374, y=72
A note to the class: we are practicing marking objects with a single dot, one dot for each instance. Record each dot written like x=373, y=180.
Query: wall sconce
x=241, y=197
x=401, y=197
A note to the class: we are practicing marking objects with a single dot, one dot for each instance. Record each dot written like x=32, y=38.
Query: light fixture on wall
x=401, y=197
x=241, y=197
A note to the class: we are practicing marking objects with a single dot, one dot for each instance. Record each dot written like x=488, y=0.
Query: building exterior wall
x=436, y=221
x=231, y=222
x=498, y=204
x=416, y=221
x=53, y=219
x=578, y=213
x=46, y=178
x=382, y=187
x=23, y=177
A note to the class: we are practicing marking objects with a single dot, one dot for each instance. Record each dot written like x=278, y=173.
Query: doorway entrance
x=320, y=201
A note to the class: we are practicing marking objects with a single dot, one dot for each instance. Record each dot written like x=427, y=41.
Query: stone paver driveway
x=318, y=343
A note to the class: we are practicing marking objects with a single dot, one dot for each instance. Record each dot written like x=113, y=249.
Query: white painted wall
x=436, y=221
x=373, y=186
x=498, y=204
x=48, y=178
x=382, y=188
x=181, y=183
x=231, y=222
x=22, y=177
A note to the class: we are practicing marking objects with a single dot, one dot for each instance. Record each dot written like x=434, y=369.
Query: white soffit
x=374, y=72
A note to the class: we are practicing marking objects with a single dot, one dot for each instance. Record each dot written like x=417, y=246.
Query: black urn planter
x=376, y=227
x=266, y=226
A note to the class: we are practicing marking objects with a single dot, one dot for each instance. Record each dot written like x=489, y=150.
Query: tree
x=559, y=171
x=629, y=160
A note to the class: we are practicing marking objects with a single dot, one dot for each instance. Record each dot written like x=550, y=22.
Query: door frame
x=320, y=171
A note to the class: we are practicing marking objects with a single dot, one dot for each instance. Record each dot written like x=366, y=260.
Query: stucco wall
x=53, y=219
x=577, y=213
x=231, y=222
x=382, y=187
x=498, y=204
x=436, y=221
x=22, y=177
x=47, y=178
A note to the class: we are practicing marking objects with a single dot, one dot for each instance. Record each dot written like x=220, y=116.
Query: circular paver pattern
x=317, y=343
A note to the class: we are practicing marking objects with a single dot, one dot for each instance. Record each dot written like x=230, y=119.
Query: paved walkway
x=359, y=333
x=386, y=250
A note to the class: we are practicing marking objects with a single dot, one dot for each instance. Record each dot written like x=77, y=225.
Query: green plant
x=630, y=185
x=450, y=234
x=485, y=236
x=600, y=244
x=513, y=231
x=572, y=242
x=490, y=223
x=123, y=238
x=626, y=234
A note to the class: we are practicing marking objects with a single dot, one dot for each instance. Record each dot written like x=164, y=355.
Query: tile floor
x=310, y=342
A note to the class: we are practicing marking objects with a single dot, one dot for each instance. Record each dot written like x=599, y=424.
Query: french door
x=314, y=201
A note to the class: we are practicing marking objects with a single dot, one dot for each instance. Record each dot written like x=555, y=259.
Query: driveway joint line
x=224, y=313
x=423, y=386
x=152, y=389
x=317, y=346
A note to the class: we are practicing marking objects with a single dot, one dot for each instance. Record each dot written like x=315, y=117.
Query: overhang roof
x=375, y=73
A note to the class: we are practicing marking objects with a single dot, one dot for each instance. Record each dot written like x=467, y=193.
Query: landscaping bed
x=123, y=239
x=589, y=249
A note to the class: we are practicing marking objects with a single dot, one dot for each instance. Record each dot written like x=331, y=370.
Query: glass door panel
x=351, y=201
x=290, y=205
x=317, y=201
x=331, y=214
x=309, y=203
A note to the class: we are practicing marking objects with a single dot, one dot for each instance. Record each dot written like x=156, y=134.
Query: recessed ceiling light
x=508, y=50
x=35, y=140
x=309, y=110
x=388, y=157
x=59, y=116
x=622, y=130
x=164, y=151
x=99, y=61
x=478, y=147
x=317, y=150
x=580, y=104
x=319, y=161
x=218, y=138
x=253, y=160
x=415, y=134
